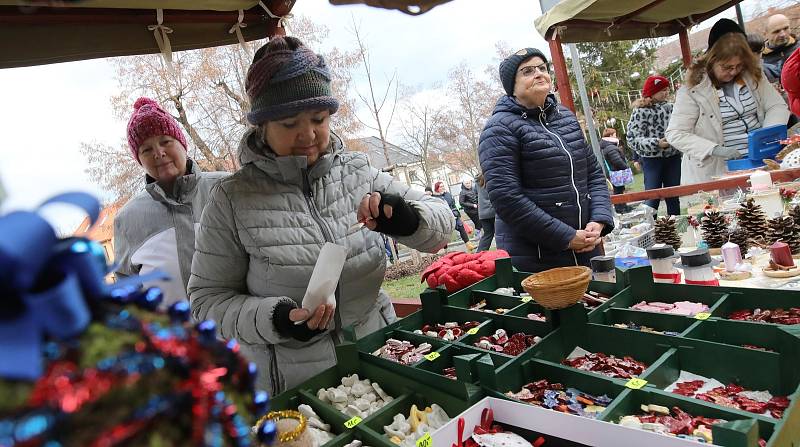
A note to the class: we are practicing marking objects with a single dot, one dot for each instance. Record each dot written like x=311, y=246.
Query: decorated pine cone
x=752, y=220
x=782, y=229
x=739, y=237
x=667, y=233
x=715, y=229
x=795, y=213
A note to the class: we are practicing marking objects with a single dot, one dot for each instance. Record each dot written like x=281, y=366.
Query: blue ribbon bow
x=45, y=283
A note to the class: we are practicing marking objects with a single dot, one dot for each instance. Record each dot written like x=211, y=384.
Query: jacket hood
x=287, y=169
x=184, y=185
x=509, y=104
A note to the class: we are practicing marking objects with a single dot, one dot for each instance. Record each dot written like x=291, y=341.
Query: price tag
x=352, y=422
x=425, y=441
x=433, y=356
x=636, y=383
x=525, y=299
x=702, y=316
x=472, y=331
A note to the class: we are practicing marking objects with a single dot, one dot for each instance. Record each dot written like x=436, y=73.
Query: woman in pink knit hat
x=155, y=230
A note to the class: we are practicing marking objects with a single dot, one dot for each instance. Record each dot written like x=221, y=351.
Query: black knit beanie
x=722, y=27
x=509, y=66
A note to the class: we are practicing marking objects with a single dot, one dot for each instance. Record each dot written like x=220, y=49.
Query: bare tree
x=473, y=100
x=421, y=128
x=376, y=104
x=113, y=168
x=205, y=93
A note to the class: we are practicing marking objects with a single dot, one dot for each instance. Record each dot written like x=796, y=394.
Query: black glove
x=287, y=328
x=404, y=221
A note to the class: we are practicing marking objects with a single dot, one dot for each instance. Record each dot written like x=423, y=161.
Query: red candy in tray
x=607, y=365
x=501, y=342
x=733, y=396
x=448, y=331
x=775, y=316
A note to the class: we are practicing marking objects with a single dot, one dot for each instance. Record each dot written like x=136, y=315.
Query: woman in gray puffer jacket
x=264, y=227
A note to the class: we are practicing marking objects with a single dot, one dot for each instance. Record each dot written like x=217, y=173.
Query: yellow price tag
x=526, y=299
x=433, y=356
x=702, y=316
x=352, y=422
x=472, y=331
x=636, y=383
x=425, y=441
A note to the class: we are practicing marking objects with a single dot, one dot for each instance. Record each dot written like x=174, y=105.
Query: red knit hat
x=149, y=120
x=653, y=85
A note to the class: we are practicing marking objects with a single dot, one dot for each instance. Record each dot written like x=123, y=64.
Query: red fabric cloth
x=790, y=79
x=457, y=270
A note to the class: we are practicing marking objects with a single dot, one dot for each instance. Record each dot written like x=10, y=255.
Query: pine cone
x=739, y=237
x=753, y=220
x=782, y=228
x=795, y=213
x=667, y=233
x=715, y=229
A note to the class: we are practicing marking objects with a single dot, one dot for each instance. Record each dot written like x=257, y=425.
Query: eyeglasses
x=731, y=68
x=531, y=70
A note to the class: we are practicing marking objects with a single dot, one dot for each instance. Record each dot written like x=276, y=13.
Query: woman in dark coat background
x=485, y=214
x=615, y=159
x=547, y=188
x=468, y=199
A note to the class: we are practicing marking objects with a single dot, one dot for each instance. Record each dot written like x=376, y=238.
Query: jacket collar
x=769, y=49
x=289, y=169
x=511, y=105
x=184, y=186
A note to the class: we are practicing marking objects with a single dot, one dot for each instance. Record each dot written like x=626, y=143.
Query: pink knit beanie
x=149, y=120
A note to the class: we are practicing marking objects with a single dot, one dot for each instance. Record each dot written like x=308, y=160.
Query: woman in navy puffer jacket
x=547, y=188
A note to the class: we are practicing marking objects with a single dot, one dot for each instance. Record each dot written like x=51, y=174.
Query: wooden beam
x=686, y=51
x=562, y=77
x=739, y=181
x=94, y=16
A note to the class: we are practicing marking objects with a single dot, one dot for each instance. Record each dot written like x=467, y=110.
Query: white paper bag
x=322, y=286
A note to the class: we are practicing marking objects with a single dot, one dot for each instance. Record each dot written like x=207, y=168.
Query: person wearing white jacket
x=726, y=96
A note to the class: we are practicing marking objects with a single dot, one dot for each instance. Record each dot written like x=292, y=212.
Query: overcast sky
x=49, y=110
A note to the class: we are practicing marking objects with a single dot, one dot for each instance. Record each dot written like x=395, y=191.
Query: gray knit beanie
x=286, y=78
x=509, y=66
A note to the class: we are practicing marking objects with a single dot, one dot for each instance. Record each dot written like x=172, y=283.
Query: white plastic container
x=662, y=261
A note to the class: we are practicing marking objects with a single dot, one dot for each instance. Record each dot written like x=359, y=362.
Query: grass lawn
x=404, y=288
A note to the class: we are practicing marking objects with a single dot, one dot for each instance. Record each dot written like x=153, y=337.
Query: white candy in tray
x=355, y=397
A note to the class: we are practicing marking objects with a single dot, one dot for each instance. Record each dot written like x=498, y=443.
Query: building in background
x=102, y=231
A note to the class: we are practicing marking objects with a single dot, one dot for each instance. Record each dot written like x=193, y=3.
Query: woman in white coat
x=726, y=96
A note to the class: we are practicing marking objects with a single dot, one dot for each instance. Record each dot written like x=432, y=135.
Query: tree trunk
x=195, y=136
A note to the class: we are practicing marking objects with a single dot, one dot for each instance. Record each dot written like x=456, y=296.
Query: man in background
x=780, y=43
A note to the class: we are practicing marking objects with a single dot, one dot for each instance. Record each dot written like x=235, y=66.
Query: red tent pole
x=686, y=51
x=562, y=78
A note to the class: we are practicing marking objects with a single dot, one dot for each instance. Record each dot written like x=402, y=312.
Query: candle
x=732, y=256
x=603, y=269
x=662, y=261
x=781, y=254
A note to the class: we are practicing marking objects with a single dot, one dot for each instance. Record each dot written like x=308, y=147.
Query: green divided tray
x=404, y=389
x=737, y=333
x=757, y=299
x=630, y=401
x=660, y=322
x=714, y=362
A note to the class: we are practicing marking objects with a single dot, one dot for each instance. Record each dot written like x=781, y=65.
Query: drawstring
x=237, y=28
x=282, y=20
x=161, y=33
